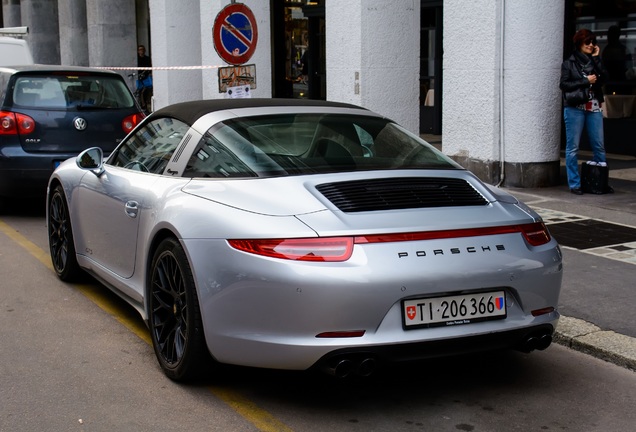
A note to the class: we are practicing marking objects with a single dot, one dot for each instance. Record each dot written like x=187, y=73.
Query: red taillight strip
x=338, y=249
x=535, y=233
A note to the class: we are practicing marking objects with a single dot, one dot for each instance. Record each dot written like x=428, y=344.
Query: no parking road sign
x=235, y=33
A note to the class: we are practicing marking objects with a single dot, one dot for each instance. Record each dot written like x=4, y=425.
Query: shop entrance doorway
x=431, y=68
x=298, y=29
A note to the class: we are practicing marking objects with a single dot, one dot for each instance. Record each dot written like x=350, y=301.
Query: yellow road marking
x=247, y=409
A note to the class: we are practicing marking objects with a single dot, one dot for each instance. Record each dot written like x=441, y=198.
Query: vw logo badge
x=79, y=123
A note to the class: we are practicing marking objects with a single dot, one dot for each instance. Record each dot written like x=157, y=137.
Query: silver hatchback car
x=302, y=234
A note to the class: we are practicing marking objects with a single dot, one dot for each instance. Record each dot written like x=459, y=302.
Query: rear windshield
x=71, y=91
x=294, y=144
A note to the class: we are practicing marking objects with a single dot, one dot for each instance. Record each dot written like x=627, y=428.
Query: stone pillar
x=73, y=32
x=111, y=33
x=178, y=42
x=373, y=58
x=11, y=13
x=44, y=36
x=504, y=112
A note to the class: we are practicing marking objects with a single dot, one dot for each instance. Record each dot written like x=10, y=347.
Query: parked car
x=14, y=52
x=51, y=113
x=299, y=234
x=13, y=49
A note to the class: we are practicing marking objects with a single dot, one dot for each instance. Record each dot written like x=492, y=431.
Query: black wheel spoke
x=58, y=232
x=169, y=308
x=173, y=313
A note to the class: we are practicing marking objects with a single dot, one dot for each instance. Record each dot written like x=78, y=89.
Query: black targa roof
x=190, y=112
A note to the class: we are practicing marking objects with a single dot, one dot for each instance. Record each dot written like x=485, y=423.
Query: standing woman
x=582, y=75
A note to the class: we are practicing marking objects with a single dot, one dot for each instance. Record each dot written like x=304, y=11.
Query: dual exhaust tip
x=343, y=367
x=346, y=366
x=536, y=342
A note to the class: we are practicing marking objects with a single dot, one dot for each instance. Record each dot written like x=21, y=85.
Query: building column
x=11, y=13
x=44, y=35
x=73, y=32
x=176, y=41
x=111, y=35
x=502, y=108
x=373, y=56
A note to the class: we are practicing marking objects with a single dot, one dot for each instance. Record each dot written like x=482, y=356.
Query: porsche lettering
x=452, y=251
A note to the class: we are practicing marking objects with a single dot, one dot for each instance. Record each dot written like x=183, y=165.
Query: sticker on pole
x=235, y=34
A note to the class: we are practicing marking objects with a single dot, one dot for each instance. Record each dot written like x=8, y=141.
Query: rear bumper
x=268, y=313
x=344, y=362
x=511, y=339
x=27, y=174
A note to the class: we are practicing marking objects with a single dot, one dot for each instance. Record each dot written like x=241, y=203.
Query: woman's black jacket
x=572, y=76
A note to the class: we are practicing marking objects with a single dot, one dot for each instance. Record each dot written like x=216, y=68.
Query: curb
x=587, y=338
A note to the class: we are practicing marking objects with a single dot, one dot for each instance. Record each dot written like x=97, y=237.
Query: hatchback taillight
x=15, y=123
x=131, y=121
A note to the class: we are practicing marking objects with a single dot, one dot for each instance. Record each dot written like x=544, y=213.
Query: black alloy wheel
x=175, y=320
x=60, y=233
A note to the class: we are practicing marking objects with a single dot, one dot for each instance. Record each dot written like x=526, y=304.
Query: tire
x=175, y=321
x=61, y=243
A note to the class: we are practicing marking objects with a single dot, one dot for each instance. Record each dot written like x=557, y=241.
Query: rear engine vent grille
x=401, y=193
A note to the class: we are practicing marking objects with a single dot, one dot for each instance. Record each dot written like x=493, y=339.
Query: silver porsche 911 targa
x=302, y=234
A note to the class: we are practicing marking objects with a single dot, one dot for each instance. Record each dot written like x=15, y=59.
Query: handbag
x=578, y=96
x=594, y=179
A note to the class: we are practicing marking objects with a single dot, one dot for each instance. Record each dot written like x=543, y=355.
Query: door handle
x=132, y=209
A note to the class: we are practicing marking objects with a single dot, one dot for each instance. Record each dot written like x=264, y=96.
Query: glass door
x=298, y=27
x=431, y=68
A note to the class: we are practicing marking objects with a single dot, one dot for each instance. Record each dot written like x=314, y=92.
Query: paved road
x=70, y=362
x=76, y=358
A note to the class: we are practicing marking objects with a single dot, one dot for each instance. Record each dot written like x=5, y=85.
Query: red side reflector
x=544, y=311
x=341, y=334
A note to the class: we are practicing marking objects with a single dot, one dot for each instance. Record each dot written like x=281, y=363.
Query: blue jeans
x=575, y=120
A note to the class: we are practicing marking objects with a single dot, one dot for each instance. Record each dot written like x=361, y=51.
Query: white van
x=14, y=51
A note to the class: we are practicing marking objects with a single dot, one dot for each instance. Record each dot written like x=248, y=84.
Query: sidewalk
x=597, y=234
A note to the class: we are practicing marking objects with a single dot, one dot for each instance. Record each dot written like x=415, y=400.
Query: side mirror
x=91, y=159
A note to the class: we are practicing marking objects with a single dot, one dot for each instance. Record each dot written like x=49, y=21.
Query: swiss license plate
x=453, y=310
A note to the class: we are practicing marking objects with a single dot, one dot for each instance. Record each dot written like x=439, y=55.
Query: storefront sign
x=235, y=33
